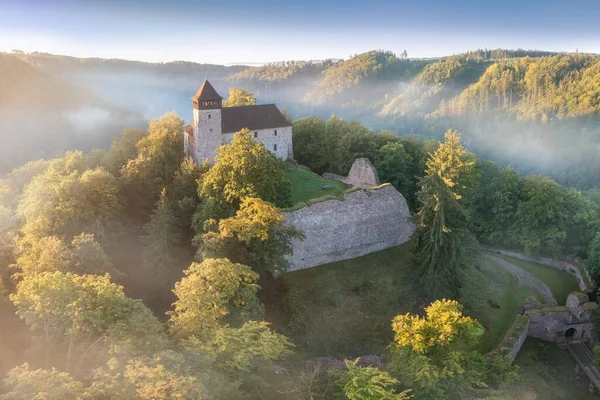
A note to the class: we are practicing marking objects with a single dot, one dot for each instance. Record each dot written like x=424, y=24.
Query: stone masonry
x=362, y=222
x=362, y=174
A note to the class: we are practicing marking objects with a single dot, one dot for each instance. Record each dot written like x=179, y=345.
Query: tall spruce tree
x=162, y=236
x=445, y=246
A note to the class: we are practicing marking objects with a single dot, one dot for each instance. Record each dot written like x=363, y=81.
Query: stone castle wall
x=362, y=222
x=519, y=342
x=362, y=174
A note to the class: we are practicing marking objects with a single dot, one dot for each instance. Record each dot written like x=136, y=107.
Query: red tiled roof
x=207, y=92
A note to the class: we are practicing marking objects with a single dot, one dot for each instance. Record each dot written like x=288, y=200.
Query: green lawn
x=307, y=185
x=346, y=308
x=493, y=297
x=560, y=282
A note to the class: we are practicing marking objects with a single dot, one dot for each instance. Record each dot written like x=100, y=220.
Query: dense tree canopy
x=212, y=292
x=239, y=172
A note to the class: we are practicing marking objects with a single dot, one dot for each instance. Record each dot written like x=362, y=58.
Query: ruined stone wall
x=550, y=262
x=519, y=342
x=362, y=174
x=362, y=222
x=551, y=325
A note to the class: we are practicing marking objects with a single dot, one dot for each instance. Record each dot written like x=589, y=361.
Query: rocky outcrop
x=362, y=174
x=360, y=223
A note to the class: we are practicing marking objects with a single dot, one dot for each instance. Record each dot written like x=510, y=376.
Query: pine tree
x=162, y=236
x=445, y=246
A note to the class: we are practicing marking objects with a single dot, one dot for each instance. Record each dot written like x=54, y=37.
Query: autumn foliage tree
x=245, y=168
x=430, y=354
x=256, y=236
x=239, y=97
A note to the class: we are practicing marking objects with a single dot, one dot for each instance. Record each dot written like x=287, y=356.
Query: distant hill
x=150, y=89
x=25, y=87
x=540, y=89
x=438, y=81
x=42, y=116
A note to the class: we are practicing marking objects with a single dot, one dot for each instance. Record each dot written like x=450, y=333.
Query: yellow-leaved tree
x=433, y=354
x=239, y=97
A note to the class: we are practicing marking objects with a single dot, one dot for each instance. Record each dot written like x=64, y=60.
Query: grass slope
x=346, y=308
x=492, y=296
x=306, y=185
x=561, y=283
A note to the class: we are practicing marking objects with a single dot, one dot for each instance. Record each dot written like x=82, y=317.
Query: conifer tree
x=161, y=239
x=445, y=246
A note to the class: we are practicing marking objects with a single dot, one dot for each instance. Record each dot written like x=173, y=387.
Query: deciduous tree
x=212, y=293
x=431, y=355
x=239, y=97
x=245, y=168
x=369, y=383
x=256, y=236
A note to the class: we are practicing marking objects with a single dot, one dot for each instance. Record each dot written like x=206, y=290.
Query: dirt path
x=526, y=279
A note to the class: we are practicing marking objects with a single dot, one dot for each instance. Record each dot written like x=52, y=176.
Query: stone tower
x=207, y=105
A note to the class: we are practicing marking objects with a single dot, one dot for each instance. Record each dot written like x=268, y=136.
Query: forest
x=128, y=271
x=84, y=235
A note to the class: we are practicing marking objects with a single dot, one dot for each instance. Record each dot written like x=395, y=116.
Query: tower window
x=274, y=147
x=210, y=129
x=255, y=134
x=275, y=132
x=208, y=116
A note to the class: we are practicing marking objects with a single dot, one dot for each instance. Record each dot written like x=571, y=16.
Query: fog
x=143, y=91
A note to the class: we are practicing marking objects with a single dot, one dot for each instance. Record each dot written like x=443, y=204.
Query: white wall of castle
x=207, y=135
x=280, y=143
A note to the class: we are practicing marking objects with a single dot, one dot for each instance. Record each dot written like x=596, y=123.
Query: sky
x=257, y=31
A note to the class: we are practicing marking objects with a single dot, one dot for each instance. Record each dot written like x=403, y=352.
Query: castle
x=214, y=125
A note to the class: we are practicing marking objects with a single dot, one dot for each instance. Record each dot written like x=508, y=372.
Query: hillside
x=25, y=87
x=150, y=89
x=42, y=116
x=501, y=100
x=438, y=81
x=365, y=78
x=558, y=87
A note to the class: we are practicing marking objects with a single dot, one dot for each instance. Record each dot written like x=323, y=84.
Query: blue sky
x=233, y=31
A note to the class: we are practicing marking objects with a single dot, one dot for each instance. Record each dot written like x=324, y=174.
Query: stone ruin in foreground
x=368, y=218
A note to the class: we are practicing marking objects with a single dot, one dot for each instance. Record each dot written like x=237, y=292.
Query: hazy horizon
x=235, y=32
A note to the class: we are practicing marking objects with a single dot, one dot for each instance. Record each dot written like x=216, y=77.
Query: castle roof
x=263, y=116
x=207, y=92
